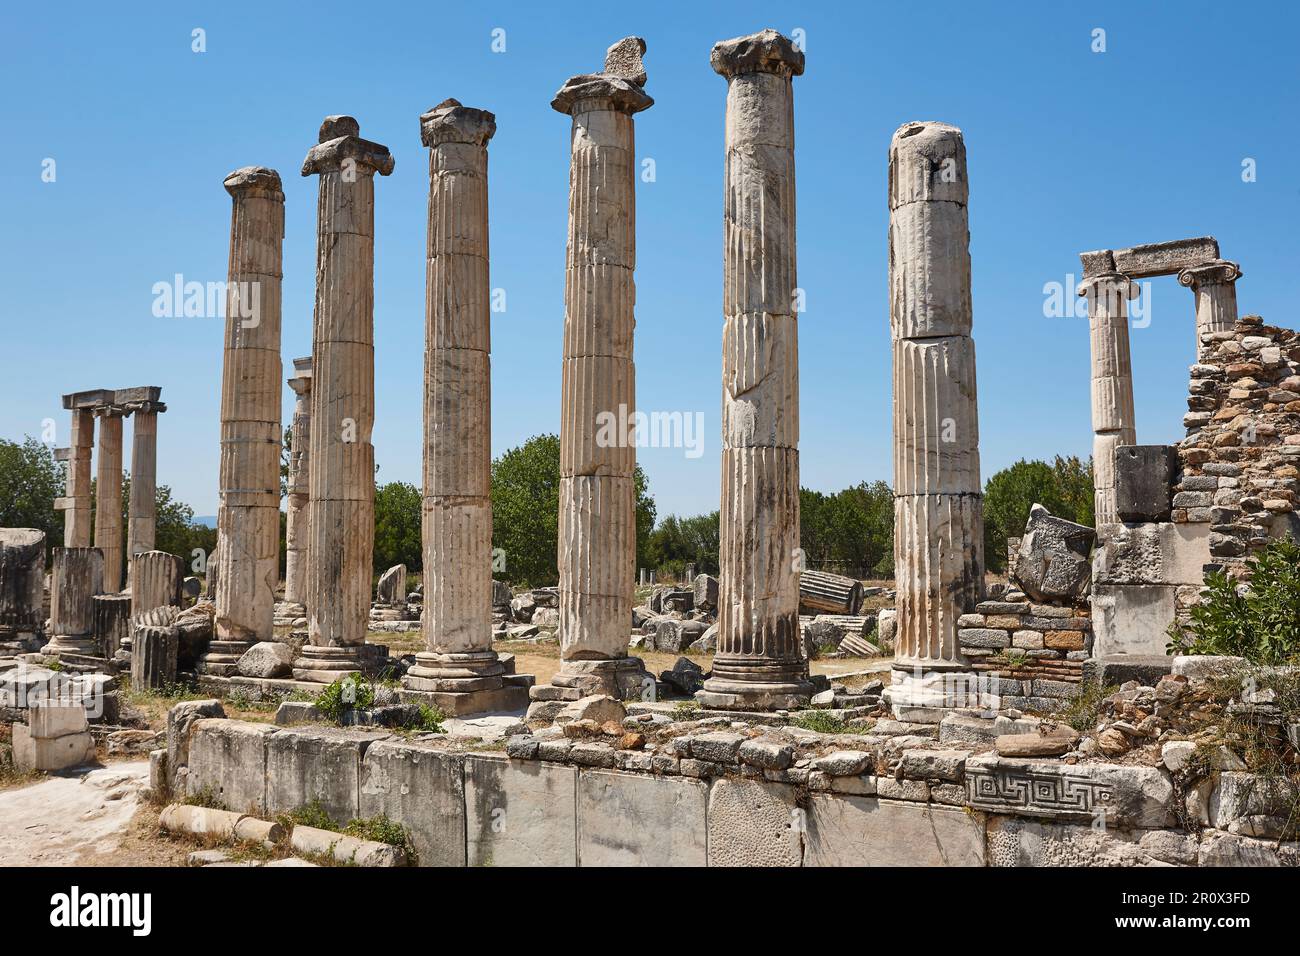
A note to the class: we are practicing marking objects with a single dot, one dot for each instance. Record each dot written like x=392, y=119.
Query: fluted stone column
x=938, y=502
x=108, y=495
x=76, y=503
x=597, y=526
x=1214, y=285
x=458, y=670
x=297, y=512
x=342, y=480
x=22, y=584
x=142, y=519
x=77, y=575
x=248, y=508
x=1113, y=419
x=155, y=581
x=759, y=662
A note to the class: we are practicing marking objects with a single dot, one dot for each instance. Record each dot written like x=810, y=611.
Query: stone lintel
x=302, y=366
x=622, y=95
x=62, y=454
x=140, y=393
x=331, y=153
x=450, y=122
x=1100, y=262
x=1216, y=272
x=764, y=52
x=91, y=398
x=254, y=180
x=1165, y=258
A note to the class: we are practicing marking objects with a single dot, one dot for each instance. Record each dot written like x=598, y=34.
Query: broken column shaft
x=142, y=520
x=108, y=495
x=342, y=481
x=938, y=504
x=1214, y=285
x=759, y=662
x=298, y=497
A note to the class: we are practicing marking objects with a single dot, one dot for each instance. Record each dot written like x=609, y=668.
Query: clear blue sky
x=1069, y=150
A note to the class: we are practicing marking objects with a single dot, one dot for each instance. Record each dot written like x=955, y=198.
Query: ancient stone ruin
x=1048, y=719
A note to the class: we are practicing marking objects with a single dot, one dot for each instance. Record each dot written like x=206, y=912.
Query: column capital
x=600, y=91
x=254, y=181
x=764, y=52
x=145, y=408
x=340, y=142
x=1108, y=283
x=1215, y=272
x=450, y=122
x=110, y=411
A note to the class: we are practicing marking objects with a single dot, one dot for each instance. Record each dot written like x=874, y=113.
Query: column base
x=927, y=692
x=623, y=678
x=81, y=645
x=325, y=665
x=746, y=684
x=222, y=658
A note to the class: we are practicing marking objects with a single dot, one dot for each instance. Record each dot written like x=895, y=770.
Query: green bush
x=343, y=696
x=1260, y=622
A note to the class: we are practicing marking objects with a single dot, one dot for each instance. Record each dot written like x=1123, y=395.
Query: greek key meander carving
x=1048, y=794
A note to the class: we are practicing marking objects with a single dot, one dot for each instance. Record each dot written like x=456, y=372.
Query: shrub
x=1259, y=621
x=345, y=695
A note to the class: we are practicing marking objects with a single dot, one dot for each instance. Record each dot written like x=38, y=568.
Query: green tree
x=1064, y=488
x=30, y=480
x=526, y=511
x=397, y=527
x=677, y=542
x=850, y=531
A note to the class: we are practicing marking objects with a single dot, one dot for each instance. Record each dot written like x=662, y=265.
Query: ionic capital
x=255, y=181
x=1109, y=284
x=339, y=144
x=1215, y=272
x=600, y=91
x=764, y=52
x=110, y=411
x=145, y=408
x=449, y=122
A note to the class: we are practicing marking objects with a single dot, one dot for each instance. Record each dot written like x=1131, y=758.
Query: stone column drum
x=108, y=495
x=342, y=479
x=1113, y=419
x=76, y=503
x=22, y=584
x=142, y=517
x=458, y=670
x=76, y=577
x=1214, y=285
x=597, y=525
x=938, y=501
x=760, y=662
x=248, y=508
x=297, y=511
x=155, y=581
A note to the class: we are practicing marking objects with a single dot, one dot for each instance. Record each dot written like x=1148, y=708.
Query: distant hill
x=209, y=520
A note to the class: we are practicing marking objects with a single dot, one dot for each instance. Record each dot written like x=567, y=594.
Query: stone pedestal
x=108, y=495
x=298, y=499
x=1214, y=285
x=248, y=510
x=938, y=503
x=342, y=479
x=458, y=666
x=142, y=518
x=759, y=662
x=1113, y=419
x=76, y=577
x=597, y=532
x=22, y=586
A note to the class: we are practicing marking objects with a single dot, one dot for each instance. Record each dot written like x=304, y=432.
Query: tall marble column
x=76, y=576
x=938, y=500
x=759, y=662
x=458, y=670
x=297, y=516
x=1214, y=284
x=597, y=532
x=142, y=521
x=342, y=481
x=76, y=503
x=1113, y=419
x=248, y=506
x=108, y=494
